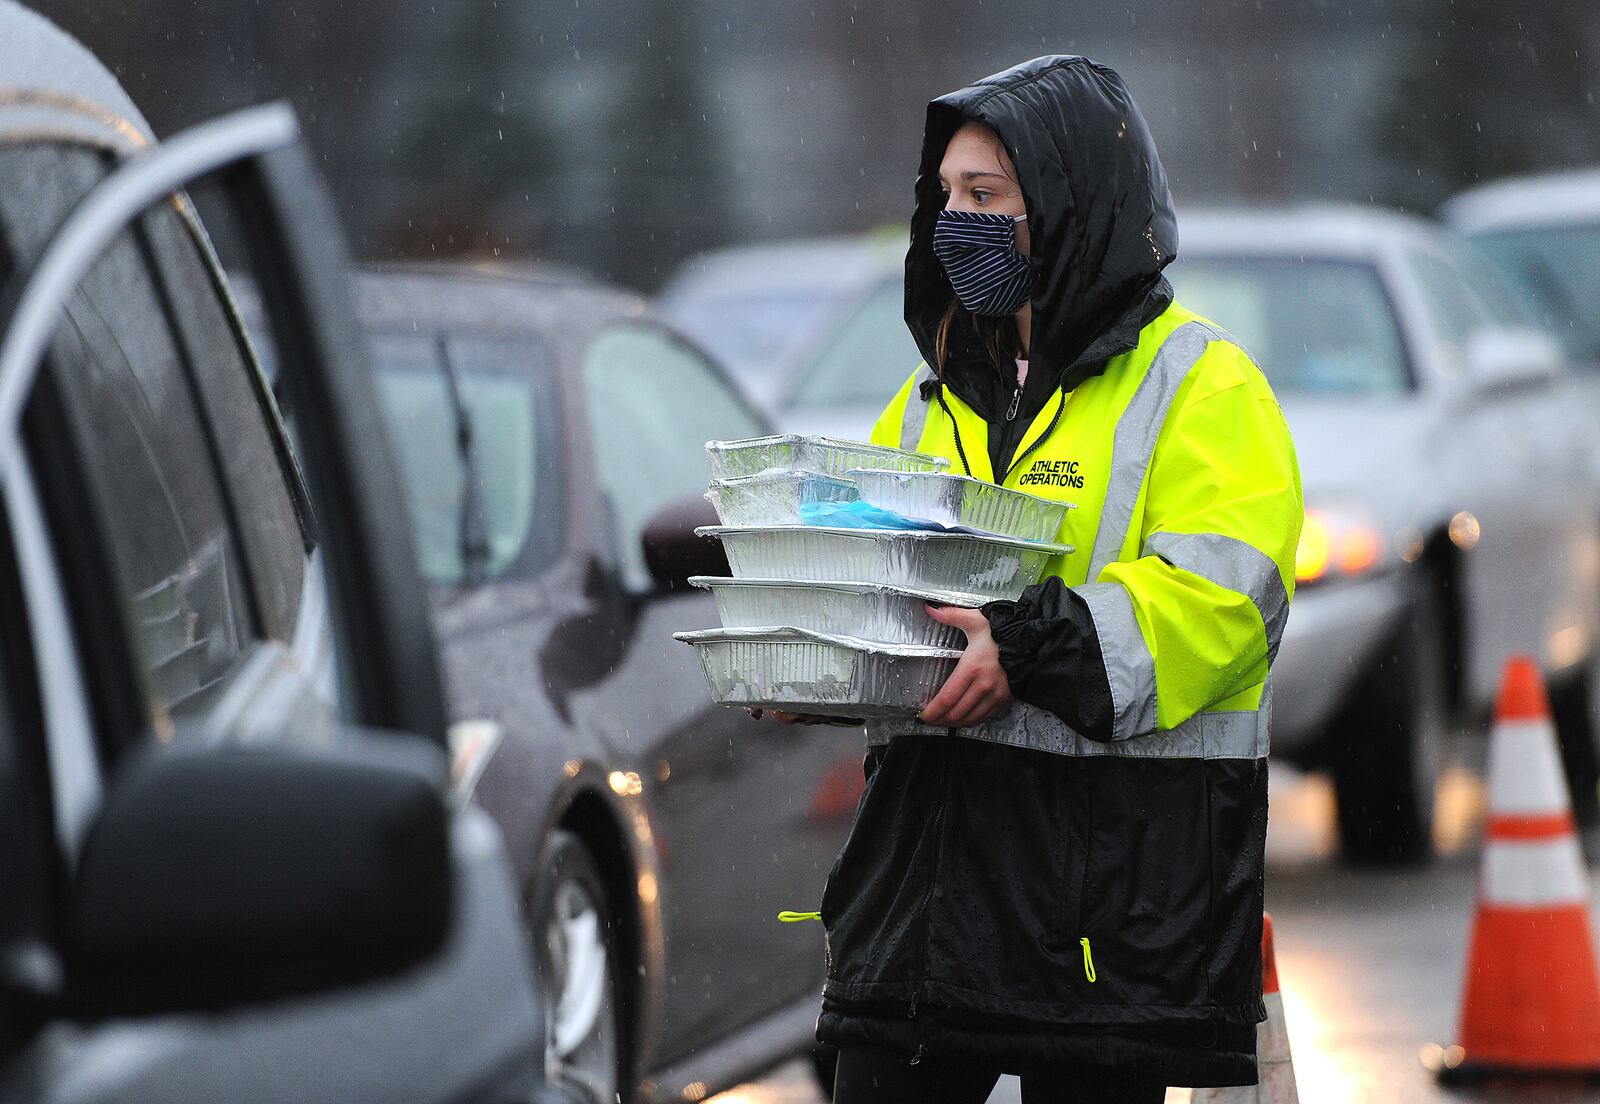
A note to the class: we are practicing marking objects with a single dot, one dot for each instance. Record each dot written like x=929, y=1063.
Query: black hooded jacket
x=956, y=908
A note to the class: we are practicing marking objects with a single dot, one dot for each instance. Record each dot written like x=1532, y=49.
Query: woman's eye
x=980, y=196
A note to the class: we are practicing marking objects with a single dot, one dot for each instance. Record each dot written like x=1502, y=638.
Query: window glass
x=869, y=357
x=458, y=538
x=1318, y=326
x=150, y=472
x=1456, y=309
x=1558, y=268
x=1506, y=305
x=254, y=457
x=653, y=404
x=750, y=330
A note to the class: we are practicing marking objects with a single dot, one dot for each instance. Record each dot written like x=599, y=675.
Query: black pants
x=886, y=1077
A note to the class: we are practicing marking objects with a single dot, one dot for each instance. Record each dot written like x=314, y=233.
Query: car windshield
x=1558, y=268
x=498, y=400
x=1319, y=326
x=748, y=332
x=867, y=358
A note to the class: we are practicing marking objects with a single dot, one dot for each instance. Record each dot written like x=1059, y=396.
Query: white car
x=1449, y=483
x=1543, y=232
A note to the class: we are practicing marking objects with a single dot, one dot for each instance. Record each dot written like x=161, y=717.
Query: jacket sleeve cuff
x=1051, y=656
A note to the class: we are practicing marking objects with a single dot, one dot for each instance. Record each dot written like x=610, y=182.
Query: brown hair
x=998, y=336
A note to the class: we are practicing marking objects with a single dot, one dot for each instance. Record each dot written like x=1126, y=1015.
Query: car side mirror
x=221, y=876
x=1501, y=358
x=672, y=551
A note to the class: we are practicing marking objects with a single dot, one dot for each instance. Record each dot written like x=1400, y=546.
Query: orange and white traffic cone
x=1274, y=1064
x=1532, y=997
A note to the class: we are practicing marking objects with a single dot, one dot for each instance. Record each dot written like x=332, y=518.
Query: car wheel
x=1388, y=744
x=1574, y=703
x=825, y=1064
x=574, y=946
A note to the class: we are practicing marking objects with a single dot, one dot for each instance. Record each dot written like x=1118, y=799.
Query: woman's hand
x=978, y=688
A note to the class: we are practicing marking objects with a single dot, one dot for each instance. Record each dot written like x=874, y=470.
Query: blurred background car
x=233, y=867
x=812, y=330
x=1442, y=447
x=1543, y=232
x=550, y=440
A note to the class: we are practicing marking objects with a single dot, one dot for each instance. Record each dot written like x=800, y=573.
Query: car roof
x=444, y=295
x=53, y=89
x=1545, y=199
x=1338, y=231
x=801, y=262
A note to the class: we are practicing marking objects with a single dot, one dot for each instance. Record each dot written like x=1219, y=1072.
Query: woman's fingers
x=967, y=620
x=970, y=709
x=937, y=711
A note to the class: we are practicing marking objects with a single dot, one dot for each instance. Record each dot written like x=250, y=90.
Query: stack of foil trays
x=833, y=621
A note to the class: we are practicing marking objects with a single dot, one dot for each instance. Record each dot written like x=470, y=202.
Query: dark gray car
x=550, y=444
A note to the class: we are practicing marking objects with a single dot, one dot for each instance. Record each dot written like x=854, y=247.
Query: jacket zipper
x=1043, y=437
x=927, y=901
x=1016, y=401
x=955, y=430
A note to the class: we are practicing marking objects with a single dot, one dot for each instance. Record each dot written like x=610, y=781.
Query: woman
x=1058, y=871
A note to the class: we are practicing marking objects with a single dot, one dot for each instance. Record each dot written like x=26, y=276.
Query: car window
x=1507, y=306
x=1313, y=325
x=868, y=357
x=1558, y=268
x=150, y=472
x=1455, y=307
x=749, y=329
x=512, y=446
x=262, y=485
x=653, y=403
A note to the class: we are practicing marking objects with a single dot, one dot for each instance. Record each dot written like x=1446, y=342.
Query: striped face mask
x=978, y=250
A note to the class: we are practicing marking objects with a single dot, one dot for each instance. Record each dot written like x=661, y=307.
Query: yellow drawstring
x=1088, y=959
x=792, y=917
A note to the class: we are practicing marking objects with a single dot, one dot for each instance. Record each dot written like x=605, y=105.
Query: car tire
x=825, y=1064
x=1388, y=744
x=573, y=932
x=1574, y=703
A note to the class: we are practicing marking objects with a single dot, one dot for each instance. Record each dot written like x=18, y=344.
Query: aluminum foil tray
x=825, y=455
x=866, y=611
x=775, y=497
x=959, y=501
x=809, y=672
x=982, y=566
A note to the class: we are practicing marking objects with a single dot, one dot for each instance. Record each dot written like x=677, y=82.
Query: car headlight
x=1339, y=539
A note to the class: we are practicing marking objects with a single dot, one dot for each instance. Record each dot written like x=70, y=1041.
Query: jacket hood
x=1100, y=220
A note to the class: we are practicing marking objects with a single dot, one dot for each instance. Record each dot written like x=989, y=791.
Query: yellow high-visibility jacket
x=1188, y=513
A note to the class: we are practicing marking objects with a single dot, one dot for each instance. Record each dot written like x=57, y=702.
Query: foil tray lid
x=783, y=635
x=720, y=531
x=937, y=597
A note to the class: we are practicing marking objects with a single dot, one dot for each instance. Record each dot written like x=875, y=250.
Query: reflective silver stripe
x=1233, y=734
x=1233, y=565
x=1130, y=668
x=1134, y=442
x=915, y=415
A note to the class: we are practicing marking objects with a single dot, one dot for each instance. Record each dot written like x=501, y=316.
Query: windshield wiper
x=472, y=526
